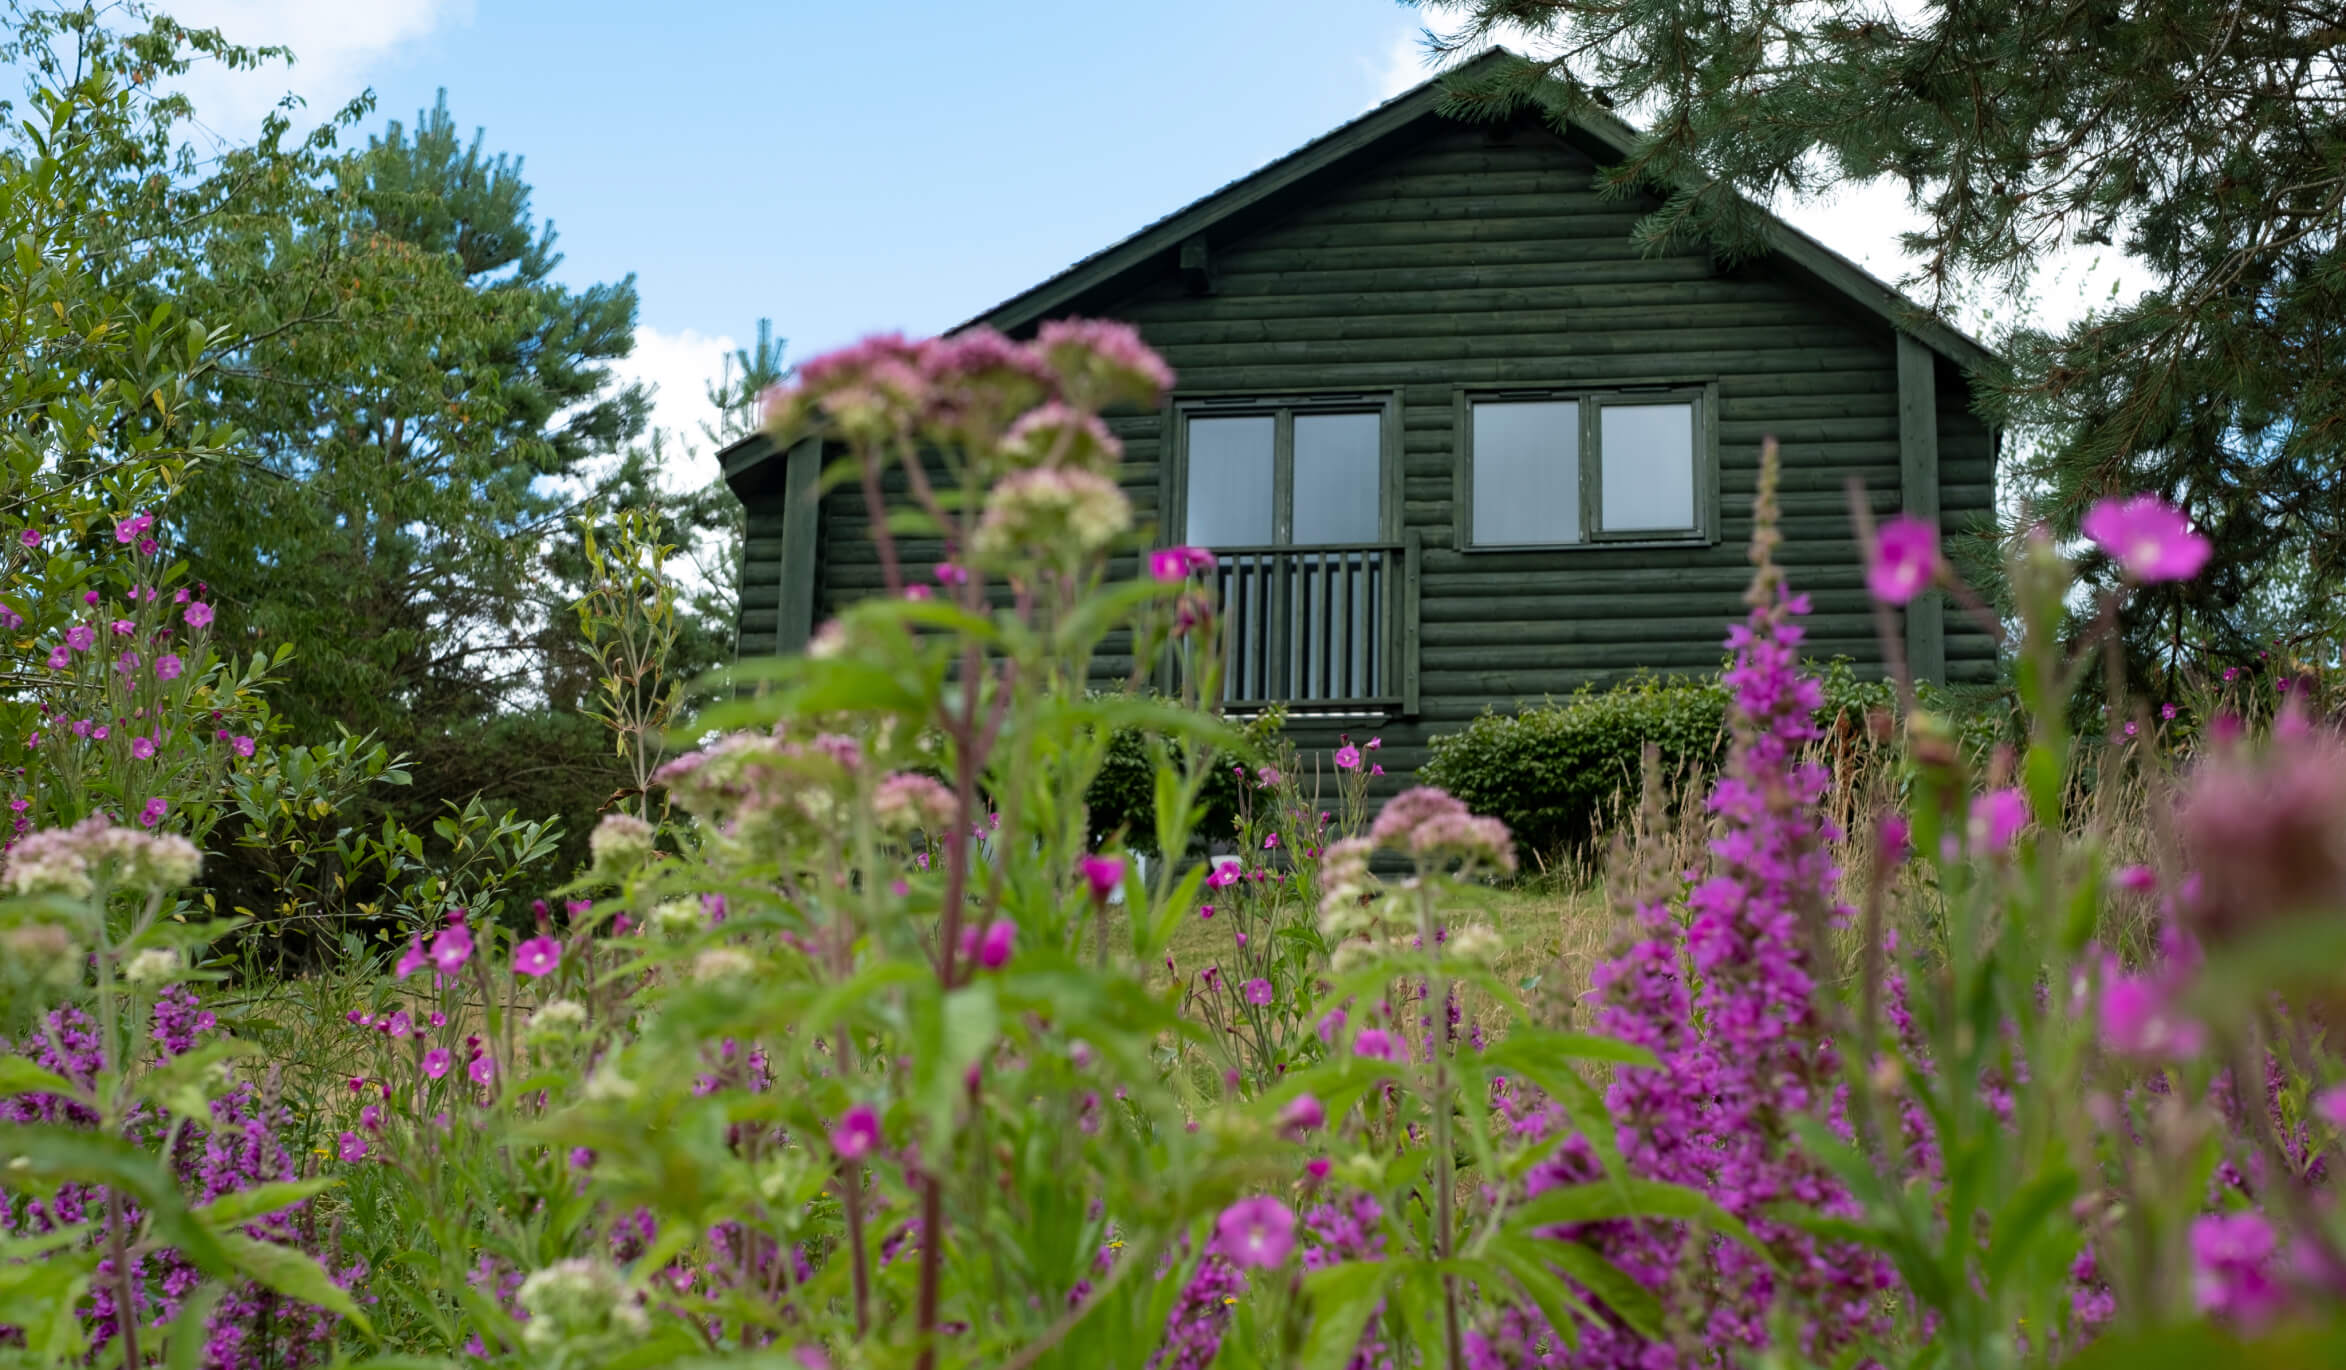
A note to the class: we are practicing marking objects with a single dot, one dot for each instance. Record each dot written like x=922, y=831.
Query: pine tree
x=2206, y=139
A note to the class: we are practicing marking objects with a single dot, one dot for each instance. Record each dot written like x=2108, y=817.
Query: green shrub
x=1551, y=771
x=1122, y=797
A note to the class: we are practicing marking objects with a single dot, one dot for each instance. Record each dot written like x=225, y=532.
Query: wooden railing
x=1310, y=627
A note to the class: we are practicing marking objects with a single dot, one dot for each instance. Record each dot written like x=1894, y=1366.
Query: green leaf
x=1528, y=1049
x=1599, y=1200
x=294, y=1274
x=2016, y=1223
x=1343, y=1299
x=20, y=1076
x=244, y=1205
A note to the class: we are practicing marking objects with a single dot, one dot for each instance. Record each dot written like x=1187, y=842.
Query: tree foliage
x=2206, y=139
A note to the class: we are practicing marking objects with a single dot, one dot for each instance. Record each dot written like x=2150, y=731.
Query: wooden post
x=1918, y=483
x=801, y=494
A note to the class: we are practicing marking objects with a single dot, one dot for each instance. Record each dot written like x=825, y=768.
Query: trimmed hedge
x=1551, y=771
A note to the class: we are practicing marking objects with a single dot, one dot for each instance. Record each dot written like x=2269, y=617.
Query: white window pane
x=1230, y=481
x=1339, y=478
x=1526, y=472
x=1648, y=459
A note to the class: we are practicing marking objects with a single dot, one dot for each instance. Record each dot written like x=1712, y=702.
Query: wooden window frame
x=1282, y=407
x=1592, y=402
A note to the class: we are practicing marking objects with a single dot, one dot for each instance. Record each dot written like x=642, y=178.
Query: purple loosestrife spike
x=2151, y=538
x=1903, y=560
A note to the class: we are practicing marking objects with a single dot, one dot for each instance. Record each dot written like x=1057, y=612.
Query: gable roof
x=1105, y=274
x=1159, y=244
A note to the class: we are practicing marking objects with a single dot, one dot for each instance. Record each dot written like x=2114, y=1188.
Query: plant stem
x=1445, y=1159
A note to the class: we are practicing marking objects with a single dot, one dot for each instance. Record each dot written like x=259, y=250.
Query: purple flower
x=31, y=537
x=2232, y=1276
x=1303, y=1113
x=413, y=959
x=1176, y=563
x=437, y=1061
x=949, y=574
x=856, y=1133
x=1270, y=841
x=81, y=637
x=199, y=615
x=1996, y=818
x=481, y=1070
x=60, y=657
x=537, y=956
x=1347, y=758
x=2151, y=538
x=2138, y=1020
x=582, y=1158
x=1223, y=876
x=143, y=748
x=451, y=948
x=1256, y=1233
x=243, y=746
x=1377, y=1045
x=1103, y=874
x=1903, y=561
x=353, y=1147
x=994, y=948
x=123, y=627
x=399, y=1025
x=2330, y=1106
x=1258, y=990
x=2139, y=879
x=167, y=667
x=153, y=812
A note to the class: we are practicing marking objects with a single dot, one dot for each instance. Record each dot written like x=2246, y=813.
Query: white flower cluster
x=73, y=861
x=580, y=1304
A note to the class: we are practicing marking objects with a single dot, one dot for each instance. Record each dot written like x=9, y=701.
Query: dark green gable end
x=1435, y=262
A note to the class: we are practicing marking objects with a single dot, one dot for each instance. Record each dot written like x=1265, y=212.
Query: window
x=1555, y=470
x=1305, y=473
x=1293, y=497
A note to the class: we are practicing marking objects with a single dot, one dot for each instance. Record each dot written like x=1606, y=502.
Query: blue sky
x=845, y=166
x=837, y=167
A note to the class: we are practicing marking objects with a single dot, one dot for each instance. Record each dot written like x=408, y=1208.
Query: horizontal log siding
x=1967, y=503
x=1463, y=262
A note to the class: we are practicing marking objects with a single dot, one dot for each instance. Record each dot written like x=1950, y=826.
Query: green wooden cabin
x=1459, y=444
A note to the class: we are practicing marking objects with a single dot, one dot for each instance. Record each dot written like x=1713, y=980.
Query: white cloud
x=1403, y=64
x=336, y=44
x=679, y=368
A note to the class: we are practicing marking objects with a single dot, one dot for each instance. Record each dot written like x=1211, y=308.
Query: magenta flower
x=1376, y=1044
x=399, y=1025
x=1348, y=758
x=537, y=956
x=437, y=1061
x=123, y=627
x=1223, y=876
x=2151, y=538
x=481, y=1070
x=353, y=1147
x=1903, y=560
x=994, y=948
x=2330, y=1106
x=1177, y=563
x=949, y=574
x=1103, y=874
x=2139, y=879
x=1317, y=1167
x=1256, y=1233
x=451, y=948
x=2232, y=1273
x=2138, y=1021
x=413, y=959
x=1376, y=770
x=370, y=1118
x=856, y=1133
x=1205, y=913
x=1270, y=841
x=1303, y=1113
x=1996, y=818
x=199, y=615
x=167, y=667
x=1258, y=990
x=143, y=748
x=242, y=745
x=81, y=637
x=32, y=537
x=153, y=812
x=60, y=657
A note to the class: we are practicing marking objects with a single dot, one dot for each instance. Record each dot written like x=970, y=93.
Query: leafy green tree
x=2203, y=138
